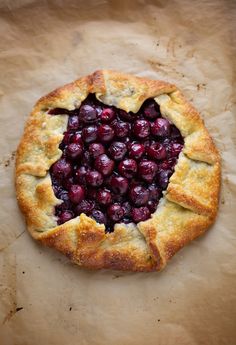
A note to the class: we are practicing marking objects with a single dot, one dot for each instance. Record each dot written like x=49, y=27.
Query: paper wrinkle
x=44, y=299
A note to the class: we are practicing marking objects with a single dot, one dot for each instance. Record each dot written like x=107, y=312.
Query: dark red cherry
x=152, y=205
x=86, y=206
x=67, y=182
x=127, y=208
x=117, y=150
x=76, y=193
x=80, y=175
x=86, y=160
x=63, y=195
x=156, y=151
x=175, y=133
x=126, y=116
x=161, y=127
x=73, y=122
x=96, y=149
x=61, y=169
x=121, y=129
x=140, y=214
x=163, y=178
x=119, y=184
x=108, y=115
x=77, y=138
x=98, y=109
x=165, y=165
x=136, y=150
x=65, y=216
x=147, y=170
x=154, y=192
x=65, y=205
x=74, y=151
x=87, y=113
x=104, y=197
x=99, y=216
x=56, y=187
x=141, y=128
x=115, y=212
x=175, y=149
x=105, y=133
x=128, y=168
x=67, y=138
x=139, y=195
x=151, y=110
x=90, y=133
x=172, y=161
x=94, y=178
x=104, y=164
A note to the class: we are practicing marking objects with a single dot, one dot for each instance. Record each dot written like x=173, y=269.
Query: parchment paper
x=44, y=299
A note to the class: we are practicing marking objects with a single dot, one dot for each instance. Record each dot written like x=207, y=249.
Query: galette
x=117, y=171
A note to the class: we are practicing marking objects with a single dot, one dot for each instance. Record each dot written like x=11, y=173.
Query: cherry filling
x=114, y=165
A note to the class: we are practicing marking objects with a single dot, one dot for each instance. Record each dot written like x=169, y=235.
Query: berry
x=139, y=195
x=104, y=164
x=87, y=113
x=94, y=178
x=141, y=129
x=128, y=168
x=117, y=150
x=140, y=214
x=105, y=133
x=161, y=127
x=115, y=212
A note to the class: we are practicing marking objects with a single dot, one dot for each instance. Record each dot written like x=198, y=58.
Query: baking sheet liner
x=44, y=299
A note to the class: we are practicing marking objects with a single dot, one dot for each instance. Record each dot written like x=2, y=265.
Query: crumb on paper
x=7, y=161
x=201, y=86
x=18, y=309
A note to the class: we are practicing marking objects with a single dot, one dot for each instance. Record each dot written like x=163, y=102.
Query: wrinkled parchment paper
x=44, y=299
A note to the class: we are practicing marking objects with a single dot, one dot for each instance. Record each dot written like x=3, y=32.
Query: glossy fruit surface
x=115, y=164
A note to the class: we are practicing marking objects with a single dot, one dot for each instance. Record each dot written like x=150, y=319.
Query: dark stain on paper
x=9, y=244
x=11, y=314
x=171, y=46
x=8, y=316
x=201, y=86
x=160, y=67
x=7, y=161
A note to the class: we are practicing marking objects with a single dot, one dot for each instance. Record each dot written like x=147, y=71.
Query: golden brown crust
x=187, y=209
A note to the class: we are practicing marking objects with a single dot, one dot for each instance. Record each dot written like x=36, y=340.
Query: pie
x=117, y=171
